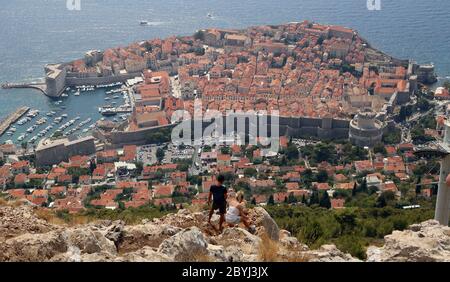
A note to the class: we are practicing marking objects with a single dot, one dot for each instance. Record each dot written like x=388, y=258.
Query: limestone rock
x=150, y=234
x=187, y=245
x=425, y=242
x=261, y=218
x=15, y=221
x=329, y=253
x=33, y=247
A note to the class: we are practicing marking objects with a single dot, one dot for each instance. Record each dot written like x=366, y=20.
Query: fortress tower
x=365, y=129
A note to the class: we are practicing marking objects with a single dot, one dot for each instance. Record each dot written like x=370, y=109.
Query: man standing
x=219, y=196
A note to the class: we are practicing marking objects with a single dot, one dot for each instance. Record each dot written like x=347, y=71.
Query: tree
x=446, y=84
x=385, y=198
x=322, y=176
x=199, y=35
x=325, y=201
x=379, y=148
x=314, y=200
x=92, y=166
x=291, y=199
x=362, y=188
x=292, y=152
x=250, y=172
x=311, y=233
x=160, y=154
x=271, y=201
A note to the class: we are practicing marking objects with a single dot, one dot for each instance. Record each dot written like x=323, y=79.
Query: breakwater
x=12, y=118
x=37, y=86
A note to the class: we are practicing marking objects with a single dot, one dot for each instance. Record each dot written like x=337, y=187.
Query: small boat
x=64, y=95
x=21, y=137
x=143, y=22
x=77, y=93
x=210, y=15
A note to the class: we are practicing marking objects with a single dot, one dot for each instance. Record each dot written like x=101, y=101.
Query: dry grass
x=268, y=249
x=10, y=202
x=196, y=208
x=3, y=202
x=299, y=257
x=51, y=217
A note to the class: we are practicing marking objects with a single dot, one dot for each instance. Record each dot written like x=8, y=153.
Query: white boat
x=64, y=95
x=77, y=93
x=21, y=137
x=143, y=22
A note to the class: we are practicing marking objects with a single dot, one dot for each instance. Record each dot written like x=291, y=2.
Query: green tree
x=271, y=201
x=292, y=152
x=160, y=154
x=325, y=201
x=322, y=176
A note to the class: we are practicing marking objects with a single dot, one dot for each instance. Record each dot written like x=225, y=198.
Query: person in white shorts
x=236, y=211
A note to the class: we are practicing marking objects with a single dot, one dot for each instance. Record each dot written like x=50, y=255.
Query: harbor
x=73, y=114
x=11, y=119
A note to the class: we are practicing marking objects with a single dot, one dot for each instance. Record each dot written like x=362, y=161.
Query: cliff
x=185, y=236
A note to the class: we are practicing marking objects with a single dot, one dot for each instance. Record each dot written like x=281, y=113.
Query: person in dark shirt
x=218, y=193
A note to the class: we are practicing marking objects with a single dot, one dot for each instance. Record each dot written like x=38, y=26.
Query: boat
x=143, y=22
x=41, y=121
x=77, y=93
x=109, y=112
x=210, y=15
x=33, y=113
x=107, y=99
x=64, y=116
x=21, y=137
x=64, y=95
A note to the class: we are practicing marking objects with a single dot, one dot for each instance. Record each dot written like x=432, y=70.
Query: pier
x=12, y=118
x=37, y=86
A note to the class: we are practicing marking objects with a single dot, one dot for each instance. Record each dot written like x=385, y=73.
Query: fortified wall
x=322, y=128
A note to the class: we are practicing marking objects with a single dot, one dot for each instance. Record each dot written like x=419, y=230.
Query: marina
x=74, y=113
x=12, y=118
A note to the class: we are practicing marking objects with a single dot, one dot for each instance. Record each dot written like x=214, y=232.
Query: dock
x=38, y=86
x=12, y=118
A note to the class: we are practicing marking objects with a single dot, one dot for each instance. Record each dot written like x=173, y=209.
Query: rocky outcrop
x=15, y=221
x=185, y=236
x=425, y=242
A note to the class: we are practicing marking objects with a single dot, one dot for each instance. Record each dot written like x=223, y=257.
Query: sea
x=38, y=32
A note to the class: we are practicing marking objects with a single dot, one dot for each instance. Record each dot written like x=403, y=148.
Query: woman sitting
x=236, y=212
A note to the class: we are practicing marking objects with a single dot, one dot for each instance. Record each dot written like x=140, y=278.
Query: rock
x=114, y=231
x=187, y=245
x=34, y=247
x=146, y=254
x=89, y=240
x=425, y=242
x=15, y=221
x=238, y=243
x=328, y=253
x=150, y=234
x=261, y=218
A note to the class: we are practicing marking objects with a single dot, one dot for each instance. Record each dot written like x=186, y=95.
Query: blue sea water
x=34, y=33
